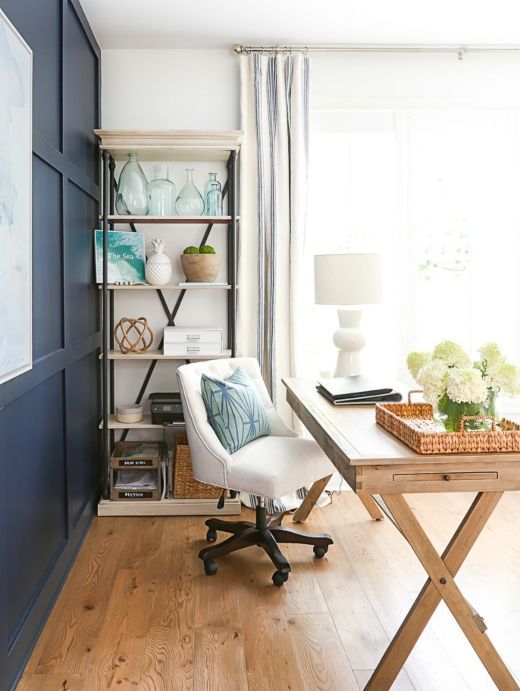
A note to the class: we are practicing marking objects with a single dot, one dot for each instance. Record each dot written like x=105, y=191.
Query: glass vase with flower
x=458, y=388
x=451, y=413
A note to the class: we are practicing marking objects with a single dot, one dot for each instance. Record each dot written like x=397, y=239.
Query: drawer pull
x=193, y=349
x=446, y=477
x=193, y=337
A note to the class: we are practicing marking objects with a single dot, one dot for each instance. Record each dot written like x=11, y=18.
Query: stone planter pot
x=200, y=268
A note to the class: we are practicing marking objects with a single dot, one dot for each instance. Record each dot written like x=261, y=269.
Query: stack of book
x=358, y=390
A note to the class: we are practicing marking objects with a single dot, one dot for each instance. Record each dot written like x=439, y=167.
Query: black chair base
x=267, y=532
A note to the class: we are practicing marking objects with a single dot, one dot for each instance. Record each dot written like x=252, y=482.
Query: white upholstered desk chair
x=268, y=467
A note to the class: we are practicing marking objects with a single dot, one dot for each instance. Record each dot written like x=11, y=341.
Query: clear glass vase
x=213, y=196
x=162, y=192
x=132, y=192
x=190, y=201
x=451, y=413
x=490, y=406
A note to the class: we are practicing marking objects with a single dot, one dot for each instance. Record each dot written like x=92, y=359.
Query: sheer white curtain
x=274, y=155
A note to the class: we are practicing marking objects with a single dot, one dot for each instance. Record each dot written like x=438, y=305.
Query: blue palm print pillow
x=234, y=409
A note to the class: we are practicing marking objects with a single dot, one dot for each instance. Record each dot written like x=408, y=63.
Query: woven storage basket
x=414, y=425
x=184, y=484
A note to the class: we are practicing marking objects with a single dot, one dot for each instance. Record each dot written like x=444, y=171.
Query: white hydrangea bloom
x=451, y=353
x=490, y=354
x=504, y=377
x=466, y=385
x=448, y=370
x=433, y=379
x=416, y=361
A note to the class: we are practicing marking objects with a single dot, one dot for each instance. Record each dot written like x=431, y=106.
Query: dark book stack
x=358, y=390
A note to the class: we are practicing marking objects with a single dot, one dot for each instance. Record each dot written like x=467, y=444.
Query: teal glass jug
x=213, y=196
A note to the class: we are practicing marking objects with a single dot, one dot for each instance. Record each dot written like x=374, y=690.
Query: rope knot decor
x=133, y=335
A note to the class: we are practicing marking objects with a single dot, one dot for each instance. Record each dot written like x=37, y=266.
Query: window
x=437, y=193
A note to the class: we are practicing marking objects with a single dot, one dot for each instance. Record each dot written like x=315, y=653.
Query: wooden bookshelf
x=162, y=146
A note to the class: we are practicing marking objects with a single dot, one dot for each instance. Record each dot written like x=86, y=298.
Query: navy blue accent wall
x=48, y=426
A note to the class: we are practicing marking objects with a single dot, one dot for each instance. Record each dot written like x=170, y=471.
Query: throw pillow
x=234, y=409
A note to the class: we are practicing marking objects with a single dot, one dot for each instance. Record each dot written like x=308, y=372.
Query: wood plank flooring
x=138, y=613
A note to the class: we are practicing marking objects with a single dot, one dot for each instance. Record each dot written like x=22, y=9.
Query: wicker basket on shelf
x=184, y=484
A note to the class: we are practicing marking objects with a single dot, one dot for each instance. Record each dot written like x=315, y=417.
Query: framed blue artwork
x=15, y=202
x=126, y=257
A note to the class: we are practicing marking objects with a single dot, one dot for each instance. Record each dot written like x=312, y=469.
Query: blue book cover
x=126, y=257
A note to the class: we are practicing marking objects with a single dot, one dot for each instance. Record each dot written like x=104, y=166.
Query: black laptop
x=356, y=390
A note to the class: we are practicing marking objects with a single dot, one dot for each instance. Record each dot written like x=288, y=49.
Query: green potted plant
x=200, y=264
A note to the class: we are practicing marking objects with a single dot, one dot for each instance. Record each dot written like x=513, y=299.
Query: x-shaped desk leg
x=441, y=585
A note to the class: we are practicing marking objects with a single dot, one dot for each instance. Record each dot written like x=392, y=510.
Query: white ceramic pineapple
x=158, y=270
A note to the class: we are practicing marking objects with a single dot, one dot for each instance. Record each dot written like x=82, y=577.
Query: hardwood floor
x=137, y=611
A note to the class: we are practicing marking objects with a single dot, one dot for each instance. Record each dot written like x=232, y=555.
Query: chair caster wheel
x=319, y=551
x=279, y=578
x=211, y=535
x=210, y=567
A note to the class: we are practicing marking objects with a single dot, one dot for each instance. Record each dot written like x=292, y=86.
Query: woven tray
x=414, y=425
x=184, y=484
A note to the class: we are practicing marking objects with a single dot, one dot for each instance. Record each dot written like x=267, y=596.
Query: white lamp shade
x=348, y=279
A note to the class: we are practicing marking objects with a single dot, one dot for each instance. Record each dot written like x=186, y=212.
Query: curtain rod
x=460, y=50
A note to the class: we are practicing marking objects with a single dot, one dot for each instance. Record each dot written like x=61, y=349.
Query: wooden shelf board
x=157, y=355
x=169, y=286
x=164, y=154
x=181, y=145
x=168, y=507
x=146, y=423
x=172, y=220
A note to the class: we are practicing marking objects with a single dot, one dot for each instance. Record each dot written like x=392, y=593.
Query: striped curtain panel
x=273, y=186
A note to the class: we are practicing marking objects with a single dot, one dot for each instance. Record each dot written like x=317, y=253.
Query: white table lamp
x=348, y=279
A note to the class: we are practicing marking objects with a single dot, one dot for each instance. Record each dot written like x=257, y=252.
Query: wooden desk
x=373, y=462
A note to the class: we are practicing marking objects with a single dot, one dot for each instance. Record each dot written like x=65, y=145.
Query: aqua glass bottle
x=190, y=201
x=162, y=192
x=213, y=196
x=212, y=177
x=132, y=191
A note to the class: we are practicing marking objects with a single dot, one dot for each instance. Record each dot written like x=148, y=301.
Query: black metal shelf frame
x=109, y=188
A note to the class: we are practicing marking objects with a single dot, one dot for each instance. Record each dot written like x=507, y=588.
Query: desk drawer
x=435, y=477
x=445, y=477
